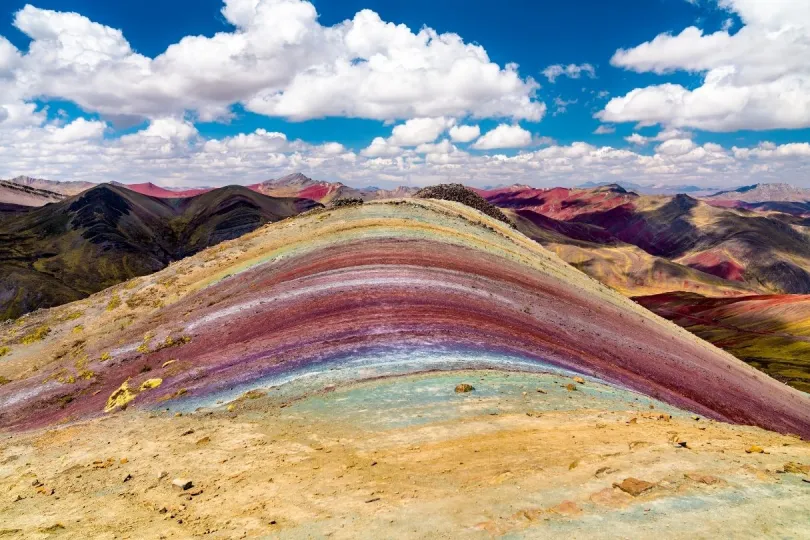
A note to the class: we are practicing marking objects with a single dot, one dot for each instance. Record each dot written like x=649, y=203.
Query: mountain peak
x=777, y=191
x=610, y=188
x=294, y=179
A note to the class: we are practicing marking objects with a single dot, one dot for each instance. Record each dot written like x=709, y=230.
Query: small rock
x=796, y=468
x=124, y=461
x=203, y=441
x=602, y=471
x=127, y=478
x=529, y=514
x=754, y=449
x=464, y=388
x=539, y=391
x=579, y=380
x=571, y=387
x=189, y=432
x=634, y=486
x=611, y=497
x=707, y=479
x=681, y=444
x=566, y=508
x=162, y=475
x=182, y=483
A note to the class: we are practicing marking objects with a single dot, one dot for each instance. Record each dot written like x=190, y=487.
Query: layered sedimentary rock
x=362, y=292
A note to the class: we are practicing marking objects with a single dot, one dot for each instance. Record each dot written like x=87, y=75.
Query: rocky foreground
x=521, y=455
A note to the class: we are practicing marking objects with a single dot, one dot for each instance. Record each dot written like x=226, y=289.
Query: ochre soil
x=521, y=455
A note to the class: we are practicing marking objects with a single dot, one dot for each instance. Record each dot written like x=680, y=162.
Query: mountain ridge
x=108, y=233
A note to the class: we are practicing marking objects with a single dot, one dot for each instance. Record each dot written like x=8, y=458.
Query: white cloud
x=504, y=136
x=170, y=129
x=604, y=130
x=675, y=147
x=279, y=61
x=414, y=132
x=464, y=134
x=380, y=147
x=637, y=139
x=768, y=150
x=333, y=148
x=170, y=151
x=663, y=135
x=757, y=78
x=78, y=130
x=573, y=71
x=419, y=130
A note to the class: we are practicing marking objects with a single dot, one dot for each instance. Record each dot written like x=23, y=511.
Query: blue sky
x=534, y=35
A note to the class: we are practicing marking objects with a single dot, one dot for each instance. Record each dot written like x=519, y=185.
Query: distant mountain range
x=758, y=193
x=300, y=185
x=292, y=185
x=65, y=188
x=643, y=244
x=15, y=196
x=72, y=248
x=654, y=189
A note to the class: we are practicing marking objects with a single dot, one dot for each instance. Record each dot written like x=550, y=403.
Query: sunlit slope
x=684, y=239
x=625, y=267
x=770, y=332
x=380, y=289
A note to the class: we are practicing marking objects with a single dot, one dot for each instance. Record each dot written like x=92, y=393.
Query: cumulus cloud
x=675, y=147
x=279, y=61
x=574, y=71
x=504, y=136
x=170, y=151
x=663, y=135
x=78, y=130
x=464, y=134
x=419, y=130
x=757, y=78
x=635, y=138
x=768, y=151
x=380, y=147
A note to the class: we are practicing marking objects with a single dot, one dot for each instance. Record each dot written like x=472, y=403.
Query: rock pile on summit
x=463, y=195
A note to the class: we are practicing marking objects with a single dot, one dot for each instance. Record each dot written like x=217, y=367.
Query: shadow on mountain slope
x=107, y=234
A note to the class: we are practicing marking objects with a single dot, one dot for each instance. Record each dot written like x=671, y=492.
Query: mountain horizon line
x=299, y=177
